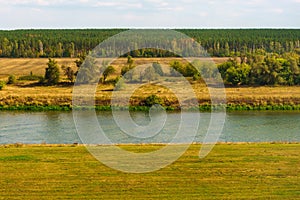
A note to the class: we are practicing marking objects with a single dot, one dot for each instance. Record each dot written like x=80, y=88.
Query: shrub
x=107, y=72
x=119, y=84
x=153, y=100
x=69, y=72
x=30, y=77
x=11, y=79
x=157, y=68
x=2, y=85
x=149, y=74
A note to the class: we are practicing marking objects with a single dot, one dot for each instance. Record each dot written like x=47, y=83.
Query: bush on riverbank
x=2, y=85
x=201, y=108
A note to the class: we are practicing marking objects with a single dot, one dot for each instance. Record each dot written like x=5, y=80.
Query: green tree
x=231, y=63
x=206, y=69
x=89, y=72
x=6, y=47
x=119, y=84
x=52, y=72
x=128, y=73
x=71, y=50
x=41, y=48
x=295, y=69
x=227, y=50
x=107, y=72
x=259, y=74
x=239, y=75
x=150, y=74
x=11, y=79
x=80, y=61
x=177, y=68
x=124, y=70
x=153, y=100
x=2, y=85
x=158, y=69
x=190, y=70
x=59, y=50
x=130, y=61
x=234, y=73
x=69, y=72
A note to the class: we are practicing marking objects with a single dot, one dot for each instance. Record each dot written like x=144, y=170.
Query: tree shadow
x=38, y=84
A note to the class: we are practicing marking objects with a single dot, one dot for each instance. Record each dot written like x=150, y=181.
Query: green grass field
x=230, y=171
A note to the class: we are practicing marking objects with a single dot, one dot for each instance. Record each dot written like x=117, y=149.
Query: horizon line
x=72, y=28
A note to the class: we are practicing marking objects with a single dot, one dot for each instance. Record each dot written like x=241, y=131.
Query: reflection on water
x=58, y=127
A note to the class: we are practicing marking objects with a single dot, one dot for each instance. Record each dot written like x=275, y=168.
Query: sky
x=32, y=14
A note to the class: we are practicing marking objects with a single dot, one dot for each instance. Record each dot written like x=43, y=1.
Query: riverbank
x=230, y=171
x=201, y=108
x=31, y=96
x=59, y=98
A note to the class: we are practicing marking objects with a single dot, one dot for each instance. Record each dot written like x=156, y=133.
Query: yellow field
x=23, y=66
x=61, y=95
x=23, y=93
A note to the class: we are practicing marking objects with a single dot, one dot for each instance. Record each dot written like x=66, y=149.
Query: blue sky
x=17, y=14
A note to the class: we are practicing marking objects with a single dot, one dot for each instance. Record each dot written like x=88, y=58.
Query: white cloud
x=117, y=4
x=254, y=2
x=109, y=4
x=170, y=8
x=166, y=5
x=149, y=13
x=277, y=10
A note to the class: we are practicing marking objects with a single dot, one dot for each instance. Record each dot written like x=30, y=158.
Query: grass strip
x=202, y=108
x=230, y=171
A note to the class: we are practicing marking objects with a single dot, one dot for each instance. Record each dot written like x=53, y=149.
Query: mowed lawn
x=230, y=171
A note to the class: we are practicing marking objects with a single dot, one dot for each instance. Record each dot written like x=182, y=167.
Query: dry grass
x=23, y=66
x=264, y=95
x=62, y=95
x=25, y=94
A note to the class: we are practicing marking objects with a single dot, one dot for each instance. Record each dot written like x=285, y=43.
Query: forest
x=256, y=56
x=257, y=69
x=218, y=42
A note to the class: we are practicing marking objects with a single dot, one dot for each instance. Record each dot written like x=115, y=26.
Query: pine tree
x=52, y=72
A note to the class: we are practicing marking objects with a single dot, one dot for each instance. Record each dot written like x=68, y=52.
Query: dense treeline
x=51, y=43
x=257, y=69
x=236, y=42
x=218, y=42
x=262, y=69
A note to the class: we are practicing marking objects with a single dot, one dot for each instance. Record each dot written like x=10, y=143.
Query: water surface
x=59, y=127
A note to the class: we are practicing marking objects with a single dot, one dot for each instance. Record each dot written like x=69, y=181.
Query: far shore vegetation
x=50, y=87
x=261, y=70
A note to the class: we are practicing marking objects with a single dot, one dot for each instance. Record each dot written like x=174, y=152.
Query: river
x=59, y=127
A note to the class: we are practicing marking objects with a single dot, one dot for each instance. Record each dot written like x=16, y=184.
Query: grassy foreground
x=230, y=171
